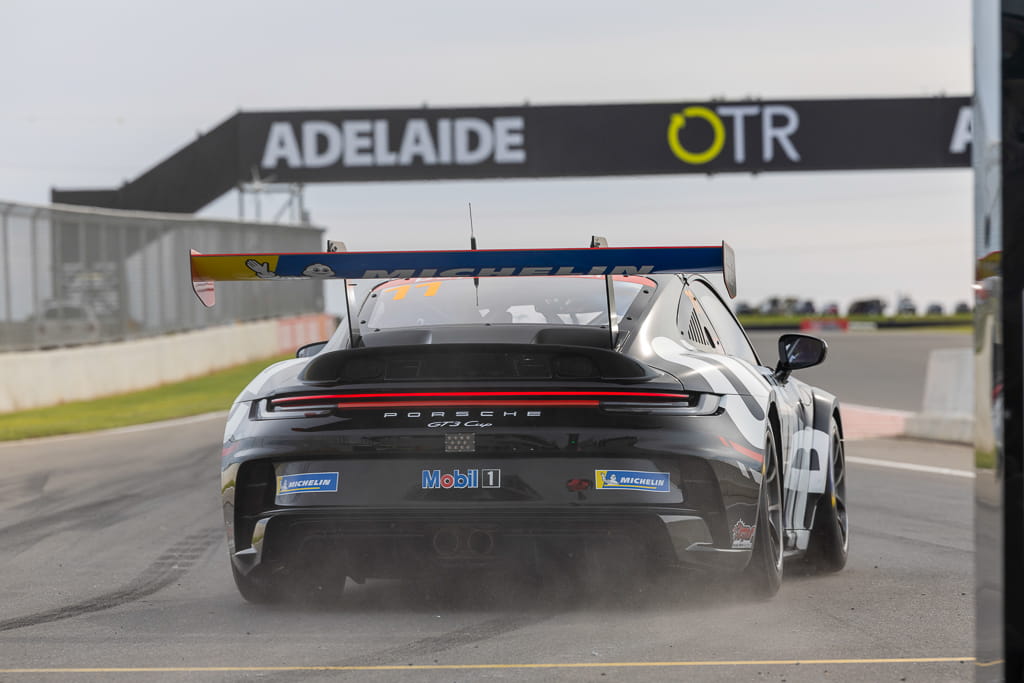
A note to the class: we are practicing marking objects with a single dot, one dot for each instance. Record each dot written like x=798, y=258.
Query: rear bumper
x=373, y=543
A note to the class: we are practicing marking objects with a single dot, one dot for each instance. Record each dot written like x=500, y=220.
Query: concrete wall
x=35, y=379
x=948, y=407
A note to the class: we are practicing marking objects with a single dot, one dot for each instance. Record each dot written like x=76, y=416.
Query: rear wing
x=606, y=261
x=335, y=263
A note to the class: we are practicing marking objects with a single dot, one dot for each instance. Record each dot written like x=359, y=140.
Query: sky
x=93, y=94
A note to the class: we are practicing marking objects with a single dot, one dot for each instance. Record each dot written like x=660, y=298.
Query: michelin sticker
x=313, y=482
x=628, y=480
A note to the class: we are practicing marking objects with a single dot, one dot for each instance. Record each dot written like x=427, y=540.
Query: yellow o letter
x=678, y=121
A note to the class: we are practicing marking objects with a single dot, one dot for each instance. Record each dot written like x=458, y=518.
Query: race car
x=492, y=409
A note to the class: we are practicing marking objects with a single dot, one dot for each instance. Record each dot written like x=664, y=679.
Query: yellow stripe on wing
x=235, y=266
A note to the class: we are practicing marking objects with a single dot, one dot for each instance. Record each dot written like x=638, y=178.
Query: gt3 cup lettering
x=457, y=423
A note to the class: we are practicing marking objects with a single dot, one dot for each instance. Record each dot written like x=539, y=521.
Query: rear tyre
x=304, y=587
x=830, y=534
x=255, y=589
x=764, y=573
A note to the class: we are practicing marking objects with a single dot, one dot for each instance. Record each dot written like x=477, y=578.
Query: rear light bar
x=692, y=404
x=488, y=396
x=637, y=402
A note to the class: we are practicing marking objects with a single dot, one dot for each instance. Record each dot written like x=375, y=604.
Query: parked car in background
x=743, y=308
x=65, y=323
x=934, y=309
x=831, y=308
x=906, y=307
x=780, y=305
x=867, y=307
x=962, y=307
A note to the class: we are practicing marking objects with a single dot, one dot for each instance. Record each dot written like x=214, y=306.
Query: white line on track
x=929, y=469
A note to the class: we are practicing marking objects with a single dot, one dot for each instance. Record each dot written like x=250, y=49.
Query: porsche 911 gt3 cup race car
x=493, y=408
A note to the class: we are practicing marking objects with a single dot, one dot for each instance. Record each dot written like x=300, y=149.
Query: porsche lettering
x=442, y=414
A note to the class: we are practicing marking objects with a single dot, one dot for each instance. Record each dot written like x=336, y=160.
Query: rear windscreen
x=499, y=300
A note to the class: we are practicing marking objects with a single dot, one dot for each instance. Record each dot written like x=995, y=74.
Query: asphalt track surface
x=114, y=567
x=884, y=369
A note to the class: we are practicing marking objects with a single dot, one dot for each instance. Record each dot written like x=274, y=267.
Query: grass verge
x=942, y=323
x=191, y=397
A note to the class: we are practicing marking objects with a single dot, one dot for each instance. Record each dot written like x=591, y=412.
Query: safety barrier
x=35, y=379
x=947, y=412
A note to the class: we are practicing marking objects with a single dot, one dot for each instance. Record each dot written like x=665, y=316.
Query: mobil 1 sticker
x=458, y=479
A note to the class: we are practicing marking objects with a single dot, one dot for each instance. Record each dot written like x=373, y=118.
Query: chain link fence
x=72, y=276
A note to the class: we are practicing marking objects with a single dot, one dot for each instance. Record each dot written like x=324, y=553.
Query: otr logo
x=778, y=123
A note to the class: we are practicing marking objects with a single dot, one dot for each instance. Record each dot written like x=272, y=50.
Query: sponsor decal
x=779, y=122
x=743, y=534
x=313, y=482
x=458, y=141
x=625, y=261
x=628, y=480
x=485, y=271
x=577, y=485
x=456, y=479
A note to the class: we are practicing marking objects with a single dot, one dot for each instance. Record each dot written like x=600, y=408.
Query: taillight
x=319, y=405
x=683, y=404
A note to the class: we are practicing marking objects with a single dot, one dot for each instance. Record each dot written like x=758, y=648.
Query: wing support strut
x=609, y=289
x=350, y=302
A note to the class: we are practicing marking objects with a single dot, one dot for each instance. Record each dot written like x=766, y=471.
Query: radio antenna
x=472, y=235
x=472, y=246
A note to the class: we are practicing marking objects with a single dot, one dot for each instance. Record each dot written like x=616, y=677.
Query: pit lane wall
x=947, y=412
x=945, y=415
x=37, y=379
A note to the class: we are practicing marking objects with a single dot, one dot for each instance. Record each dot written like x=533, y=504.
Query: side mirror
x=798, y=351
x=310, y=349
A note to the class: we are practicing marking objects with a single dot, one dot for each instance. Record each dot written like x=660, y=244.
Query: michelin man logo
x=263, y=271
x=318, y=270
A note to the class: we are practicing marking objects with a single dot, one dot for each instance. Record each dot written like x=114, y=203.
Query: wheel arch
x=826, y=407
x=776, y=425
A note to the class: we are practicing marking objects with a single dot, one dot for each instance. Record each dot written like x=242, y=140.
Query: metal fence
x=76, y=275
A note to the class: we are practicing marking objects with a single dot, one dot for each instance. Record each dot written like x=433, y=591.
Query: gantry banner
x=360, y=145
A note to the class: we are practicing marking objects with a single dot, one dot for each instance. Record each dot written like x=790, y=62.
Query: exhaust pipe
x=461, y=541
x=446, y=541
x=480, y=542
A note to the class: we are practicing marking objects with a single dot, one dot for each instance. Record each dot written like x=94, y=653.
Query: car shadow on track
x=552, y=591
